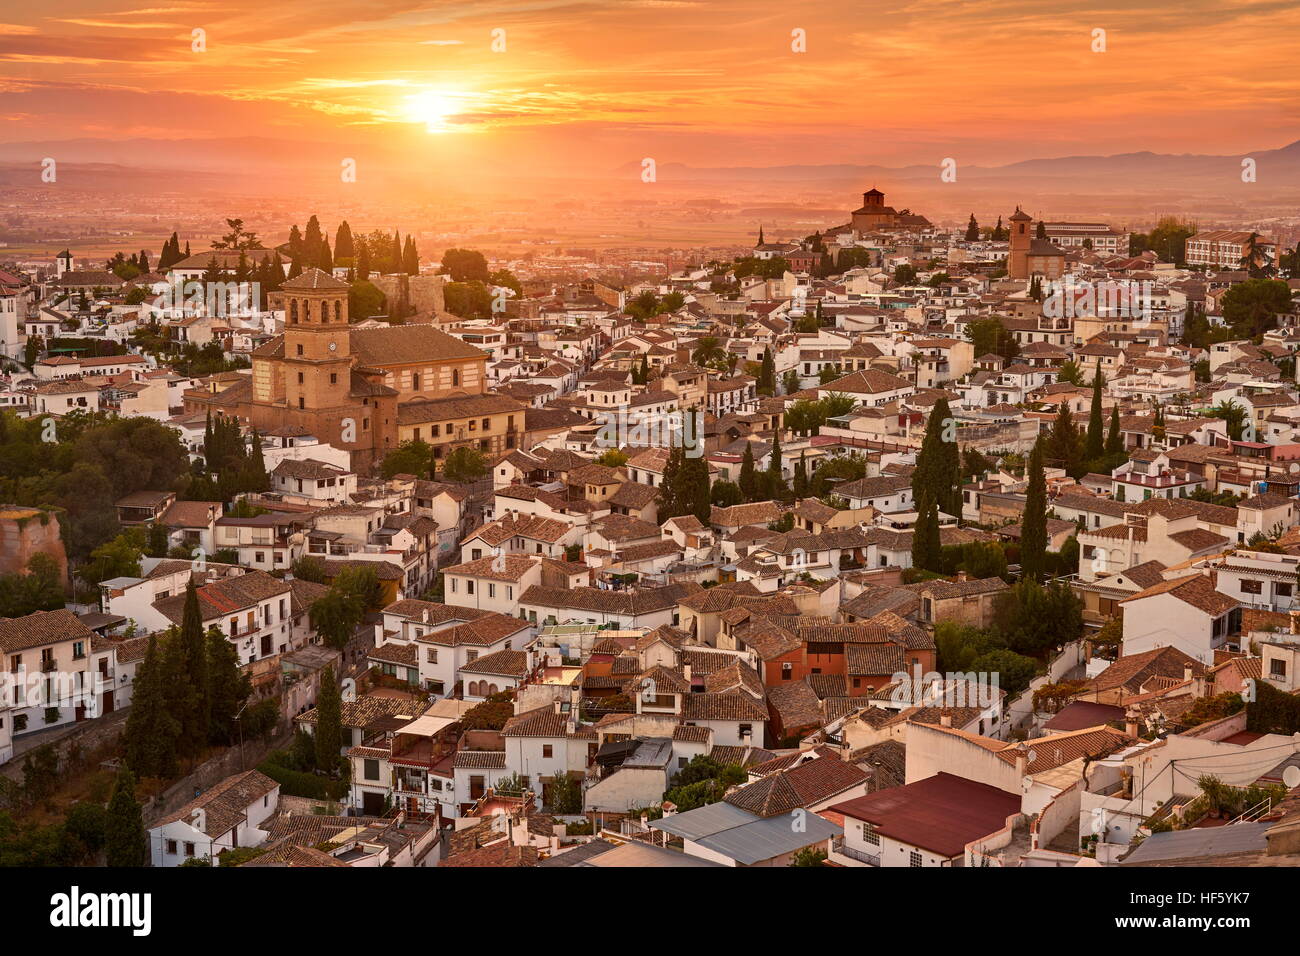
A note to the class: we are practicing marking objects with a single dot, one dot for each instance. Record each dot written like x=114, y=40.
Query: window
x=371, y=769
x=455, y=377
x=1277, y=668
x=334, y=378
x=869, y=834
x=914, y=859
x=189, y=849
x=547, y=750
x=469, y=587
x=1250, y=587
x=299, y=349
x=487, y=424
x=171, y=847
x=431, y=655
x=471, y=657
x=301, y=378
x=415, y=382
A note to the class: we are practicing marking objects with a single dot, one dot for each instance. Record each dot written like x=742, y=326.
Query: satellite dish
x=1291, y=777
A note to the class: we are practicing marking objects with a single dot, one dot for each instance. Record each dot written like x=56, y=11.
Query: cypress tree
x=670, y=494
x=774, y=464
x=363, y=261
x=972, y=229
x=949, y=472
x=260, y=481
x=1096, y=435
x=125, y=842
x=329, y=722
x=410, y=258
x=1064, y=440
x=801, y=476
x=311, y=244
x=230, y=687
x=926, y=545
x=343, y=245
x=326, y=259
x=696, y=488
x=191, y=692
x=938, y=464
x=151, y=730
x=1114, y=437
x=748, y=480
x=1033, y=527
x=645, y=369
x=275, y=273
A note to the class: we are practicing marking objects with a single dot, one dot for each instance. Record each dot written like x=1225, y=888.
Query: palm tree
x=1234, y=415
x=707, y=350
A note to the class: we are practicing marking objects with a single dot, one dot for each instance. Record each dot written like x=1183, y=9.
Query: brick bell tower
x=1021, y=238
x=317, y=343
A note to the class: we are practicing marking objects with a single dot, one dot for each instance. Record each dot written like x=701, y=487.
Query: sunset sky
x=712, y=82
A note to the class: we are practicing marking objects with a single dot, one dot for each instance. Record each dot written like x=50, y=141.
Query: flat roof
x=746, y=837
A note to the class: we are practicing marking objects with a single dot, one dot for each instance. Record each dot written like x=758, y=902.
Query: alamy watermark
x=1128, y=299
x=217, y=299
x=623, y=427
x=920, y=688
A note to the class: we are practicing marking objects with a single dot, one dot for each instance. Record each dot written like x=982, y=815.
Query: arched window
x=338, y=310
x=491, y=689
x=306, y=310
x=293, y=311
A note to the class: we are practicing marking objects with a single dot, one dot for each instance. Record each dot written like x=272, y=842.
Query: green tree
x=151, y=730
x=365, y=300
x=229, y=686
x=1095, y=444
x=1114, y=437
x=748, y=479
x=125, y=842
x=1070, y=372
x=926, y=546
x=335, y=616
x=1033, y=527
x=464, y=265
x=972, y=229
x=329, y=722
x=1063, y=442
x=409, y=458
x=188, y=691
x=463, y=465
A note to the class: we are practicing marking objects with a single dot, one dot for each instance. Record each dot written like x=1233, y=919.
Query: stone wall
x=28, y=531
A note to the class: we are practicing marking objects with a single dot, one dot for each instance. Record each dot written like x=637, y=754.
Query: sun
x=433, y=108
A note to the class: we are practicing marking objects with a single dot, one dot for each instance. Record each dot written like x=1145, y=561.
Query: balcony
x=839, y=845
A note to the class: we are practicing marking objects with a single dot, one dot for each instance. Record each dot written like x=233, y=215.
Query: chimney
x=1187, y=672
x=686, y=672
x=1295, y=622
x=1022, y=762
x=961, y=576
x=945, y=719
x=199, y=818
x=1130, y=723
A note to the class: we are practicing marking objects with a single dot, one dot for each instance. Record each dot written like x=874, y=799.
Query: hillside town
x=890, y=544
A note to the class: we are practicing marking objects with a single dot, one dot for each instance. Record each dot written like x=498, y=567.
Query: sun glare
x=433, y=108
